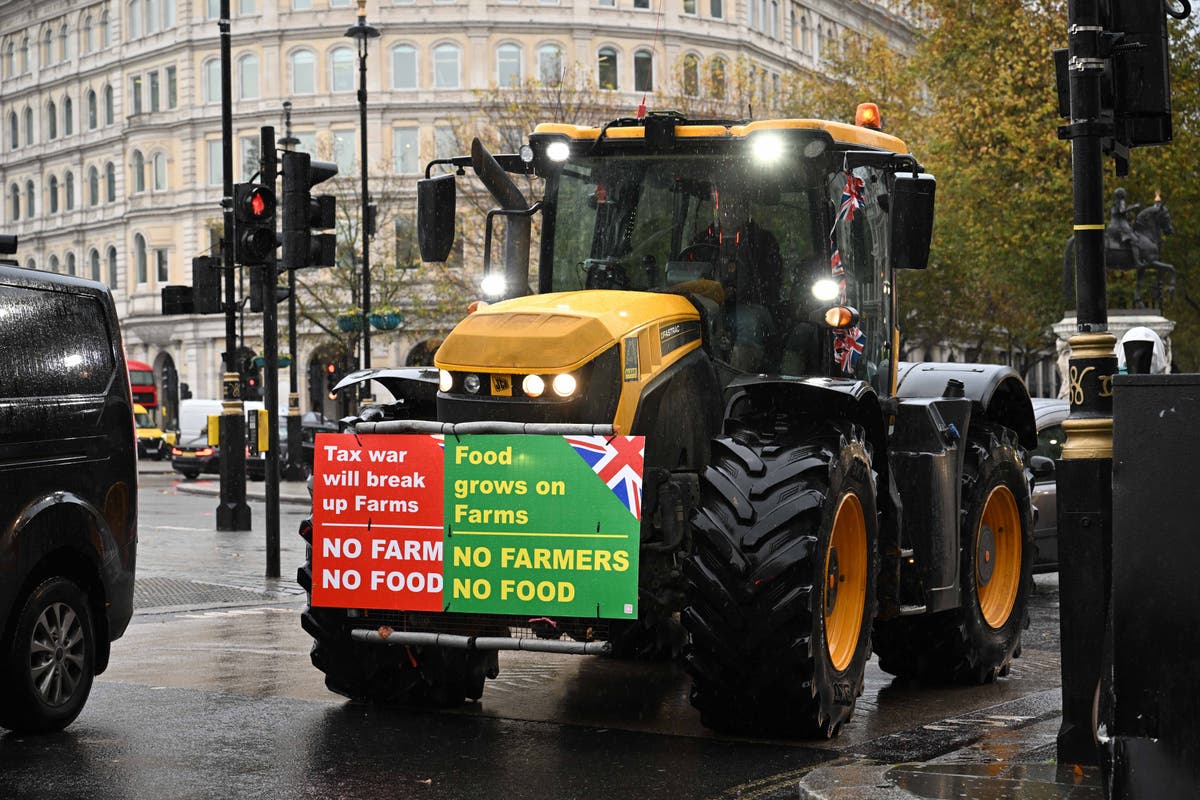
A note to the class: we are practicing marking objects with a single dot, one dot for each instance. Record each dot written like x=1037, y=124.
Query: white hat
x=1158, y=360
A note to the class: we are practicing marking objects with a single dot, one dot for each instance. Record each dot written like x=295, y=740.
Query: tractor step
x=911, y=611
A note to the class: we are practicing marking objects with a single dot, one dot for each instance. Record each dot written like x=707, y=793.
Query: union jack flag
x=440, y=438
x=847, y=347
x=839, y=273
x=618, y=461
x=852, y=197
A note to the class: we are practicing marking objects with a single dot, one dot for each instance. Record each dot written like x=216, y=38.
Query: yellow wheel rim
x=845, y=591
x=998, y=557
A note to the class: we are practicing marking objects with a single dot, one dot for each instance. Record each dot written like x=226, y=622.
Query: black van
x=68, y=494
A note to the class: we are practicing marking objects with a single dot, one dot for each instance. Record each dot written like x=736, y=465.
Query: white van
x=194, y=414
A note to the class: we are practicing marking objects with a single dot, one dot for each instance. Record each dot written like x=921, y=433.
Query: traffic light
x=332, y=375
x=258, y=276
x=251, y=377
x=1141, y=73
x=254, y=218
x=203, y=296
x=306, y=218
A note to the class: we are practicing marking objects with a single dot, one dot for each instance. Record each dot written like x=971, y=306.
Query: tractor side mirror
x=912, y=220
x=435, y=217
x=1041, y=467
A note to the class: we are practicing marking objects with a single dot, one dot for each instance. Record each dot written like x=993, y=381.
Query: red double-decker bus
x=141, y=382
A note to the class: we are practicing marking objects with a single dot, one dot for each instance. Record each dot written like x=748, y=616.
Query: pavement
x=1005, y=751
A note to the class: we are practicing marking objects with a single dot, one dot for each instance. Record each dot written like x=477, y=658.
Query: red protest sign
x=377, y=522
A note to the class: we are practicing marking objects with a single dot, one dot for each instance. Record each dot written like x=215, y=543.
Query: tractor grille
x=518, y=627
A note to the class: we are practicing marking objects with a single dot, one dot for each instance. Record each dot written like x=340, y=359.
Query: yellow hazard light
x=867, y=116
x=840, y=317
x=476, y=305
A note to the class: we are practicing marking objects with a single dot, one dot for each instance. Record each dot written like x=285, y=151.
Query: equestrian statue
x=1133, y=246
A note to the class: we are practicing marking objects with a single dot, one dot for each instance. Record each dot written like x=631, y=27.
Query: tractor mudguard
x=997, y=392
x=415, y=389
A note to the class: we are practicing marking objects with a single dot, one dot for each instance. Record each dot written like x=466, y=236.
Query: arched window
x=25, y=66
x=14, y=199
x=805, y=33
x=212, y=80
x=550, y=66
x=691, y=75
x=93, y=116
x=53, y=194
x=30, y=200
x=134, y=18
x=93, y=186
x=89, y=35
x=139, y=172
x=446, y=66
x=70, y=263
x=248, y=77
x=51, y=120
x=109, y=106
x=643, y=71
x=105, y=32
x=139, y=254
x=112, y=267
x=53, y=263
x=160, y=172
x=508, y=66
x=110, y=182
x=94, y=264
x=69, y=190
x=716, y=79
x=10, y=60
x=341, y=70
x=304, y=72
x=68, y=117
x=64, y=44
x=14, y=131
x=47, y=51
x=404, y=67
x=773, y=19
x=29, y=126
x=607, y=69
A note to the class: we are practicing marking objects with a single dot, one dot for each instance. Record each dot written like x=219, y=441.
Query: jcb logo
x=501, y=385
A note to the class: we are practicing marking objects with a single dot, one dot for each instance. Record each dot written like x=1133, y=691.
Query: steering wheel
x=702, y=251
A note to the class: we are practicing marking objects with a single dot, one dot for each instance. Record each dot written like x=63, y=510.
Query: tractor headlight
x=558, y=151
x=471, y=383
x=564, y=384
x=826, y=290
x=767, y=148
x=493, y=284
x=445, y=380
x=533, y=385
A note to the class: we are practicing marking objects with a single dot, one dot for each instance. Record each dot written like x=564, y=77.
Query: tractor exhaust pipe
x=517, y=228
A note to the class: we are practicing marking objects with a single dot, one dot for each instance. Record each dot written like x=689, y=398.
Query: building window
x=14, y=131
x=26, y=63
x=135, y=94
x=51, y=121
x=212, y=9
x=70, y=263
x=216, y=167
x=139, y=172
x=134, y=18
x=445, y=144
x=716, y=78
x=160, y=172
x=29, y=126
x=93, y=186
x=508, y=66
x=109, y=106
x=248, y=77
x=550, y=66
x=14, y=197
x=716, y=9
x=93, y=115
x=301, y=5
x=245, y=8
x=172, y=88
x=105, y=31
x=250, y=155
x=112, y=267
x=46, y=54
x=404, y=67
x=30, y=198
x=691, y=75
x=405, y=151
x=308, y=142
x=304, y=76
x=139, y=250
x=10, y=60
x=341, y=67
x=69, y=191
x=164, y=268
x=445, y=66
x=804, y=34
x=774, y=19
x=152, y=17
x=641, y=3
x=212, y=81
x=689, y=7
x=53, y=194
x=643, y=71
x=607, y=69
x=608, y=3
x=110, y=182
x=344, y=151
x=53, y=263
x=94, y=264
x=168, y=13
x=154, y=97
x=68, y=117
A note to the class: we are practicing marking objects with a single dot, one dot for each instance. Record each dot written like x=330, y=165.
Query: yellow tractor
x=727, y=289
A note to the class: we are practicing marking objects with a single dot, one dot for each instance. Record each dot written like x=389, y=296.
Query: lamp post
x=295, y=467
x=361, y=32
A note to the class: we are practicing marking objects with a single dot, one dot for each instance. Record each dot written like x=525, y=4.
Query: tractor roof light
x=867, y=116
x=767, y=148
x=558, y=151
x=493, y=284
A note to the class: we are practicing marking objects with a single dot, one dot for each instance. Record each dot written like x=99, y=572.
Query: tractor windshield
x=751, y=239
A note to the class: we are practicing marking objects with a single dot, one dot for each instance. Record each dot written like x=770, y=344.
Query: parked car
x=311, y=424
x=68, y=495
x=194, y=456
x=151, y=443
x=1048, y=415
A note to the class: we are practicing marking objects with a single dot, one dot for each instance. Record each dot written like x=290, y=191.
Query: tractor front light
x=826, y=290
x=493, y=285
x=533, y=385
x=445, y=380
x=564, y=385
x=472, y=383
x=558, y=151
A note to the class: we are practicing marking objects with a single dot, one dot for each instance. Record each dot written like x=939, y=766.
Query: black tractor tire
x=776, y=646
x=48, y=659
x=976, y=643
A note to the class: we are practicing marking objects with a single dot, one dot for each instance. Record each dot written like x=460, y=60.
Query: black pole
x=1084, y=473
x=233, y=514
x=294, y=471
x=271, y=366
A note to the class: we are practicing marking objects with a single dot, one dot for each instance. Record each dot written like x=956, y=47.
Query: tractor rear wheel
x=781, y=581
x=976, y=642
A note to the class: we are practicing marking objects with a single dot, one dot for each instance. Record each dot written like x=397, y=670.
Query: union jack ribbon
x=847, y=347
x=618, y=461
x=852, y=197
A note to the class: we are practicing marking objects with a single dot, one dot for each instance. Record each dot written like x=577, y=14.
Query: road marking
x=177, y=528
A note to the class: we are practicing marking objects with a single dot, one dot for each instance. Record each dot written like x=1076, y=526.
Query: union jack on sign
x=618, y=461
